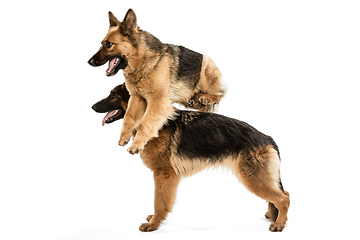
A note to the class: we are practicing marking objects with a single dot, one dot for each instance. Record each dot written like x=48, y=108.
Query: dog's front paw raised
x=124, y=139
x=123, y=142
x=135, y=148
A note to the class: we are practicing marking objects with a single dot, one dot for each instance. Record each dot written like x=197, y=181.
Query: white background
x=292, y=71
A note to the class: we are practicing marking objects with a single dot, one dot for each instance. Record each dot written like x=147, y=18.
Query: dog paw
x=191, y=102
x=277, y=227
x=148, y=227
x=124, y=139
x=204, y=100
x=133, y=149
x=123, y=142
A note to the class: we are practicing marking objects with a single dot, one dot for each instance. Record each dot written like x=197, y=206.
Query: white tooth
x=114, y=113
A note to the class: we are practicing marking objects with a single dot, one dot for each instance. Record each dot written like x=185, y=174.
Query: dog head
x=119, y=44
x=115, y=104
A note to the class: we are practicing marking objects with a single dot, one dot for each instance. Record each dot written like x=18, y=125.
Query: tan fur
x=156, y=156
x=187, y=167
x=262, y=178
x=209, y=79
x=150, y=77
x=209, y=90
x=153, y=92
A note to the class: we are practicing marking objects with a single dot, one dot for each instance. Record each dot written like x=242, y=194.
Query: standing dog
x=193, y=141
x=156, y=76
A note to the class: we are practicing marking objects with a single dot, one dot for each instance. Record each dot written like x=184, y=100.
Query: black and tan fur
x=156, y=76
x=193, y=141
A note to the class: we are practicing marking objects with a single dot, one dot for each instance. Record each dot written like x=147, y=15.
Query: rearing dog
x=193, y=141
x=156, y=76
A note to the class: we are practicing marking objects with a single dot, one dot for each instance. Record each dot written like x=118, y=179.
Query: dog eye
x=108, y=44
x=113, y=96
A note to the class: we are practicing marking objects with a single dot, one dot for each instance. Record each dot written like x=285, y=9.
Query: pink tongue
x=111, y=65
x=107, y=116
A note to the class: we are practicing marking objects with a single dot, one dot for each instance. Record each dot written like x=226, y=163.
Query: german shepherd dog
x=193, y=141
x=156, y=76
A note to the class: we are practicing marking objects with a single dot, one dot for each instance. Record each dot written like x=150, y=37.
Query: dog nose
x=92, y=62
x=94, y=107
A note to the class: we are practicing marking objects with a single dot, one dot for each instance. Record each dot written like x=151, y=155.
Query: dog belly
x=186, y=167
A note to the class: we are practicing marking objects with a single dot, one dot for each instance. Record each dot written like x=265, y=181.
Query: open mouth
x=113, y=116
x=115, y=65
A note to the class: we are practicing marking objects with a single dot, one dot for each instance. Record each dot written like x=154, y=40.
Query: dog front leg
x=133, y=115
x=157, y=112
x=166, y=183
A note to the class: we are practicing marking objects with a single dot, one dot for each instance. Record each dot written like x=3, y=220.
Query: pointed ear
x=129, y=22
x=113, y=20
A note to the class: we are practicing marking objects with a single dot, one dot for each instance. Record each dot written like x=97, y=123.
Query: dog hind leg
x=210, y=87
x=204, y=102
x=272, y=212
x=281, y=201
x=259, y=171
